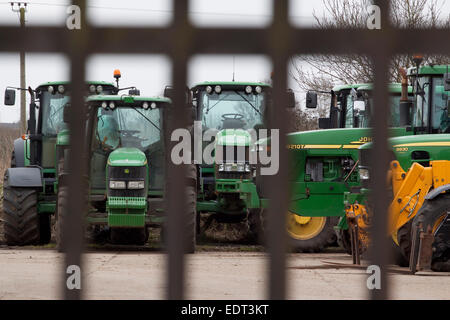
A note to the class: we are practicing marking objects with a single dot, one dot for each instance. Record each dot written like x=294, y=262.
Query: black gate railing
x=181, y=40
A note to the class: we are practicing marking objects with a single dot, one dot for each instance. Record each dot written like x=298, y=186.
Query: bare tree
x=320, y=72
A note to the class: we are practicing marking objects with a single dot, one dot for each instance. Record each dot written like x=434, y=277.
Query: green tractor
x=234, y=112
x=31, y=182
x=126, y=144
x=419, y=174
x=324, y=164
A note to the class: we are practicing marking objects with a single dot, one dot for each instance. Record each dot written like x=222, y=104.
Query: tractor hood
x=420, y=148
x=233, y=137
x=346, y=138
x=127, y=157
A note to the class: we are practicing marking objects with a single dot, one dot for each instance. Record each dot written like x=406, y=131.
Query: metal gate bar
x=280, y=41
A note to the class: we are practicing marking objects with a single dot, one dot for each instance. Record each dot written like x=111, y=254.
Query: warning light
x=117, y=74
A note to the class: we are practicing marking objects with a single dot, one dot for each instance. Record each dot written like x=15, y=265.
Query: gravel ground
x=35, y=273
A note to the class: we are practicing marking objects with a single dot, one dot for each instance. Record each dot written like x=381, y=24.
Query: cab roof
x=127, y=98
x=430, y=70
x=392, y=87
x=57, y=83
x=340, y=87
x=231, y=83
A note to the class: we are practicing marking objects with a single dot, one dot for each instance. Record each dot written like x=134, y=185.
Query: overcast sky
x=150, y=73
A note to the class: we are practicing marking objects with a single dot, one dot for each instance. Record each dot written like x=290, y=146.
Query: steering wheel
x=128, y=133
x=235, y=116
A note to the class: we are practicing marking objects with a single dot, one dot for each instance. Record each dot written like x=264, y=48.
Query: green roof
x=340, y=87
x=231, y=83
x=392, y=87
x=57, y=83
x=430, y=70
x=127, y=98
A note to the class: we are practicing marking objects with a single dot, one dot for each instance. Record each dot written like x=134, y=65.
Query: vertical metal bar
x=175, y=192
x=23, y=112
x=378, y=251
x=77, y=202
x=279, y=189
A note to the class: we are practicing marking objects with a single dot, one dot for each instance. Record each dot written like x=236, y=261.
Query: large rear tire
x=310, y=234
x=22, y=223
x=404, y=243
x=191, y=206
x=61, y=203
x=432, y=215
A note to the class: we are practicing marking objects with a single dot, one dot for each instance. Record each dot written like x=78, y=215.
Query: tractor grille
x=233, y=175
x=230, y=153
x=120, y=174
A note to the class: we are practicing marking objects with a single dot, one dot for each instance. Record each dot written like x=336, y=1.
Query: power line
x=169, y=11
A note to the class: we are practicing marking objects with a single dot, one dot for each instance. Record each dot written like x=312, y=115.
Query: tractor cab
x=342, y=106
x=127, y=164
x=430, y=112
x=365, y=108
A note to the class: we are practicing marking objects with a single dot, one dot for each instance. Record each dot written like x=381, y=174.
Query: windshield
x=233, y=109
x=437, y=99
x=52, y=113
x=394, y=108
x=128, y=127
x=439, y=116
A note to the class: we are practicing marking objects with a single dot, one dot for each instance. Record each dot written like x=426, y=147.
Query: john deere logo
x=127, y=171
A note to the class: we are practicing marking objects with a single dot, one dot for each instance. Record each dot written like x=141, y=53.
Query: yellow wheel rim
x=304, y=228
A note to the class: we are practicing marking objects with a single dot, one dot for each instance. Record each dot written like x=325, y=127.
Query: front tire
x=432, y=215
x=23, y=225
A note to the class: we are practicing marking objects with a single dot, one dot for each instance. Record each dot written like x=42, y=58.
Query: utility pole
x=22, y=8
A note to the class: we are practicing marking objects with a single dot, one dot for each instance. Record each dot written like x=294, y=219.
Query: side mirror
x=311, y=100
x=447, y=82
x=10, y=97
x=290, y=99
x=66, y=113
x=405, y=113
x=324, y=123
x=168, y=92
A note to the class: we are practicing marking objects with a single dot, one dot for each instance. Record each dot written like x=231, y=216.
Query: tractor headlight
x=258, y=89
x=92, y=88
x=117, y=184
x=218, y=89
x=61, y=89
x=99, y=89
x=248, y=89
x=364, y=174
x=209, y=89
x=136, y=185
x=112, y=105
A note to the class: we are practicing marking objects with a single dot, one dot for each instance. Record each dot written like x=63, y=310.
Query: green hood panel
x=127, y=157
x=337, y=137
x=233, y=137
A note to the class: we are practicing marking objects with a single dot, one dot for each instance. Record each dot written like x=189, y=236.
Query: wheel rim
x=438, y=222
x=304, y=228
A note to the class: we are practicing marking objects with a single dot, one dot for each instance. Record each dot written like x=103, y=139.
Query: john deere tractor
x=30, y=184
x=126, y=148
x=324, y=163
x=419, y=175
x=227, y=185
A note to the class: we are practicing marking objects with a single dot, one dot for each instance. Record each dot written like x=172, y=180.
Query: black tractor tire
x=404, y=245
x=23, y=225
x=326, y=238
x=191, y=206
x=344, y=240
x=255, y=233
x=137, y=236
x=429, y=215
x=61, y=203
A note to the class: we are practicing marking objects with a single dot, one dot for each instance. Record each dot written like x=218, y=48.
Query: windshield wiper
x=146, y=118
x=256, y=109
x=215, y=104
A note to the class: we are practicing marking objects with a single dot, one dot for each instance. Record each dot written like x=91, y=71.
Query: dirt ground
x=213, y=273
